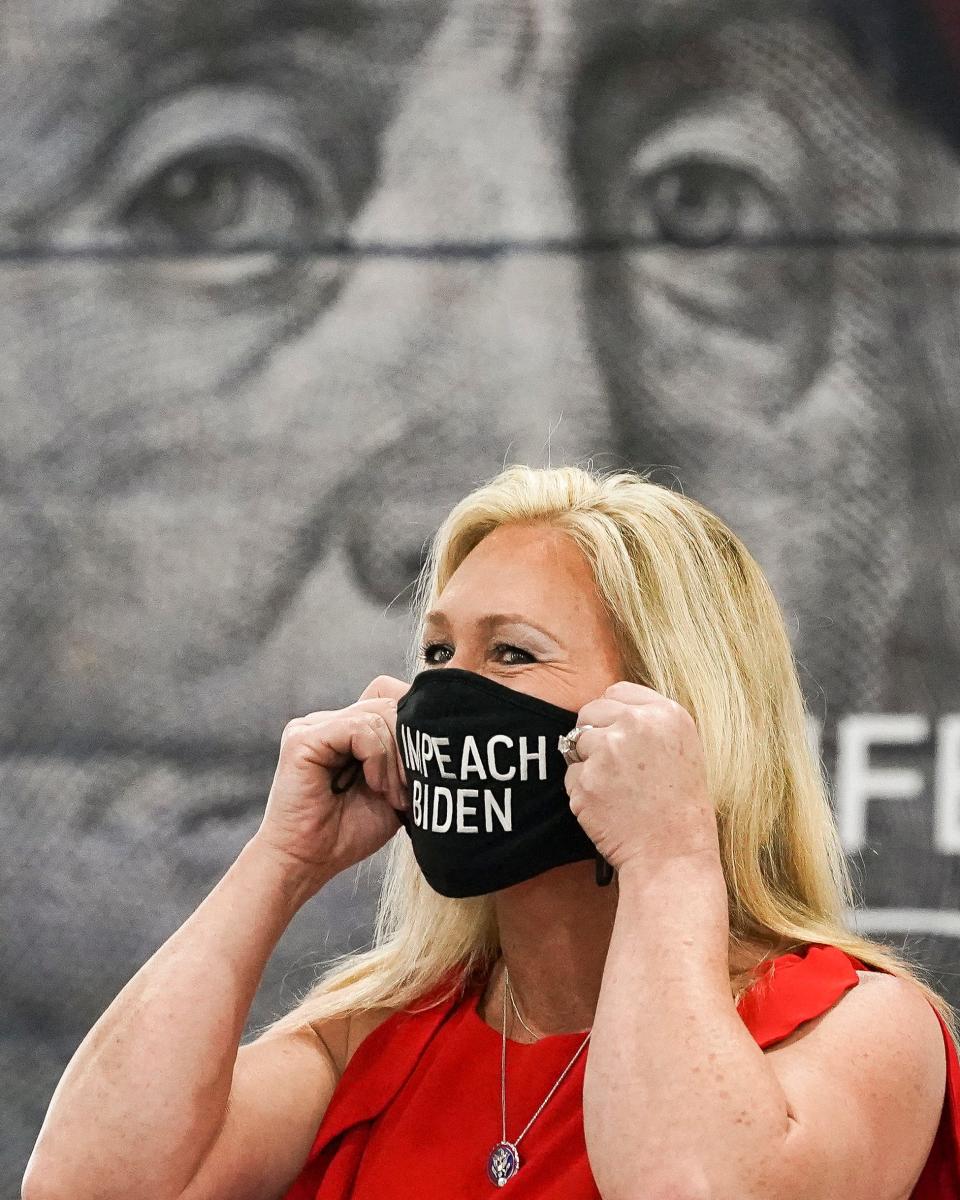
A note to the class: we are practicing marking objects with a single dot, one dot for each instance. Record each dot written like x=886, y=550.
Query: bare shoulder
x=873, y=977
x=343, y=1035
x=900, y=1012
x=865, y=1083
x=882, y=1013
x=282, y=1085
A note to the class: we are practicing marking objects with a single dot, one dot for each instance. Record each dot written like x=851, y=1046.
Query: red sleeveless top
x=417, y=1110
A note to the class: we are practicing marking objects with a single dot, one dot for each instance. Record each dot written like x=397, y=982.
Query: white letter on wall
x=857, y=783
x=946, y=813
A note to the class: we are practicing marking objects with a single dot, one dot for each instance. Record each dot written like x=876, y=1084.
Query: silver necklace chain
x=516, y=1012
x=503, y=1063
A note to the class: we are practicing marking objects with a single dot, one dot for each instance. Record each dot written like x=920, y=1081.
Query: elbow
x=672, y=1187
x=657, y=1193
x=38, y=1185
x=41, y=1181
x=44, y=1181
x=675, y=1191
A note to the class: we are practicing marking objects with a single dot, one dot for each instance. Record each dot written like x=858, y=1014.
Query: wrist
x=295, y=879
x=681, y=902
x=644, y=874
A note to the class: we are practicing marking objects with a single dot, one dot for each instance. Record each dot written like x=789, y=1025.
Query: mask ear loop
x=604, y=870
x=346, y=776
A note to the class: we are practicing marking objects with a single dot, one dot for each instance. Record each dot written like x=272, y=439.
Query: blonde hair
x=694, y=618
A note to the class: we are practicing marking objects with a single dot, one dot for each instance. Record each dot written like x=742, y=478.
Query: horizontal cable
x=478, y=250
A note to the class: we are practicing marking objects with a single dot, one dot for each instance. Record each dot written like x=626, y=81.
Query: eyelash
x=428, y=646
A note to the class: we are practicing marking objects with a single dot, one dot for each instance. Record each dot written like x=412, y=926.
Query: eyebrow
x=666, y=23
x=229, y=17
x=116, y=58
x=387, y=31
x=490, y=621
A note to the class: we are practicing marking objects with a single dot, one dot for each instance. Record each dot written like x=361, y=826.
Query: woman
x=742, y=1040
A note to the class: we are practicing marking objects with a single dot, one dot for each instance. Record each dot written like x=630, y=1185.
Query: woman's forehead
x=543, y=565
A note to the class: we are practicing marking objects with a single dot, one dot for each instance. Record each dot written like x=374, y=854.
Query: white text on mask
x=420, y=750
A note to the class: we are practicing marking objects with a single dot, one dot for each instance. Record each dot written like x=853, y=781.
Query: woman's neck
x=554, y=933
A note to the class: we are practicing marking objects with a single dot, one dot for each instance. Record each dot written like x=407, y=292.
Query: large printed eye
x=711, y=185
x=699, y=202
x=225, y=198
x=699, y=194
x=233, y=181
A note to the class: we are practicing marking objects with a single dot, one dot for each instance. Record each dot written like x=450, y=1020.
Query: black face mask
x=485, y=775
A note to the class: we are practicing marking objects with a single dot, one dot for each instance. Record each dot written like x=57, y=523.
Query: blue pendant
x=503, y=1163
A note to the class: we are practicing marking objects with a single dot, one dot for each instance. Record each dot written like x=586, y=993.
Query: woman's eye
x=507, y=649
x=427, y=651
x=223, y=199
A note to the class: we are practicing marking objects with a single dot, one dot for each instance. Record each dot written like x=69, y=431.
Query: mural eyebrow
x=650, y=29
x=134, y=23
x=337, y=16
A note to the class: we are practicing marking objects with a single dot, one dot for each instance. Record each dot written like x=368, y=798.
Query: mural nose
x=395, y=505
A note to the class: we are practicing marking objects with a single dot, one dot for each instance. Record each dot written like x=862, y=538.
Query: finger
x=392, y=755
x=617, y=697
x=385, y=687
x=632, y=693
x=385, y=708
x=571, y=778
x=363, y=736
x=588, y=741
x=600, y=712
x=389, y=713
x=384, y=776
x=321, y=714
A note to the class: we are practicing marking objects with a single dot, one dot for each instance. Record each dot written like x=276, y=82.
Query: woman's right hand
x=311, y=824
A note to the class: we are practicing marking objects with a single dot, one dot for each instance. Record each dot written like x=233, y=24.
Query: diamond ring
x=567, y=744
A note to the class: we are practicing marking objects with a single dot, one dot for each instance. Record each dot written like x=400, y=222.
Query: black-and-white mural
x=282, y=281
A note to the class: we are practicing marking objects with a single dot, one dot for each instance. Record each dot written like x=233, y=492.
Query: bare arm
x=145, y=1097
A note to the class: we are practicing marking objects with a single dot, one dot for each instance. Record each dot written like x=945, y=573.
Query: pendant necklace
x=503, y=1162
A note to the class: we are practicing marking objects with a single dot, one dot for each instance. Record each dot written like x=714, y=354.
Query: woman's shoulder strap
x=382, y=1062
x=794, y=988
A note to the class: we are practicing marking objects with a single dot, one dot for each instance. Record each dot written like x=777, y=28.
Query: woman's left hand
x=640, y=792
